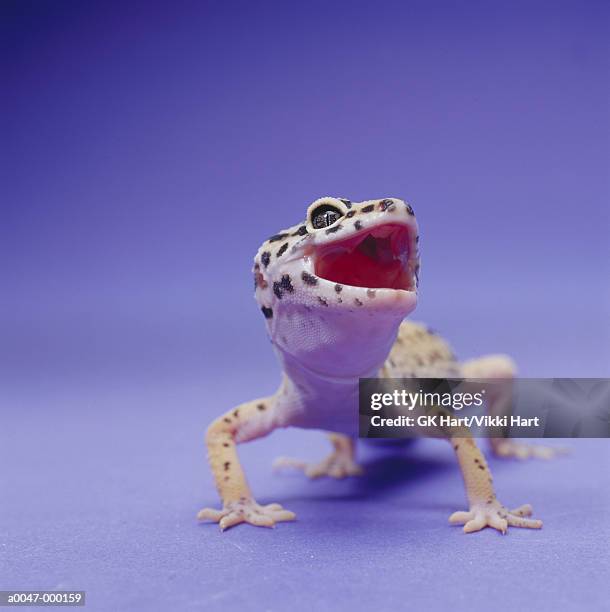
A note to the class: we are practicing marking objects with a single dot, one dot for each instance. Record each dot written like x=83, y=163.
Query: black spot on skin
x=346, y=202
x=301, y=231
x=335, y=228
x=358, y=302
x=476, y=461
x=261, y=407
x=227, y=420
x=277, y=237
x=386, y=205
x=227, y=465
x=350, y=214
x=371, y=293
x=322, y=301
x=358, y=225
x=283, y=286
x=256, y=265
x=369, y=208
x=236, y=413
x=268, y=312
x=456, y=447
x=338, y=288
x=266, y=258
x=481, y=467
x=226, y=444
x=309, y=279
x=339, y=301
x=282, y=249
x=417, y=239
x=410, y=209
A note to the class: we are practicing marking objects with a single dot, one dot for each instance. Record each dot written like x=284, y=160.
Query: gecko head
x=345, y=257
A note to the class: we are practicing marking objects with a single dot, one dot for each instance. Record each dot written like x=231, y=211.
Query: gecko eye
x=325, y=215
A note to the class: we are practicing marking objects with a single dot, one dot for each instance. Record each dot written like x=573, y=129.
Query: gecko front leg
x=246, y=422
x=339, y=464
x=485, y=509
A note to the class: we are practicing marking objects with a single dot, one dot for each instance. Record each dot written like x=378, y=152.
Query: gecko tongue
x=375, y=260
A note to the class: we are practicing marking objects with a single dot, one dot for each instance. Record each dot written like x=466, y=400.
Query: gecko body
x=334, y=291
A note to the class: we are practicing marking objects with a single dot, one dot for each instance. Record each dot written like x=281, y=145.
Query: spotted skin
x=419, y=352
x=329, y=334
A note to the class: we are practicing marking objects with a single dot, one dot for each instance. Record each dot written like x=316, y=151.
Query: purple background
x=148, y=150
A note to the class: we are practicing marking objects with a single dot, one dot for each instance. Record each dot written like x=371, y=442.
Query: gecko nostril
x=386, y=205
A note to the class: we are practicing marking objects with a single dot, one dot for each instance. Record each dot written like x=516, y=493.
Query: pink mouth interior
x=376, y=259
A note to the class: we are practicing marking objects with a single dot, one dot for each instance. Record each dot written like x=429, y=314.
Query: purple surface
x=145, y=154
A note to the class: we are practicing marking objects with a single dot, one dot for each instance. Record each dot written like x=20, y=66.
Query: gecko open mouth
x=375, y=259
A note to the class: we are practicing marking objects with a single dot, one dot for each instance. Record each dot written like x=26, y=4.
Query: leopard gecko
x=334, y=291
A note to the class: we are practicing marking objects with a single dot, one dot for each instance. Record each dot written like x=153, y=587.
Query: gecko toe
x=519, y=521
x=209, y=514
x=524, y=510
x=460, y=517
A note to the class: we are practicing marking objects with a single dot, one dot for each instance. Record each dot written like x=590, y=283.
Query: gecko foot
x=505, y=448
x=336, y=465
x=246, y=510
x=493, y=514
